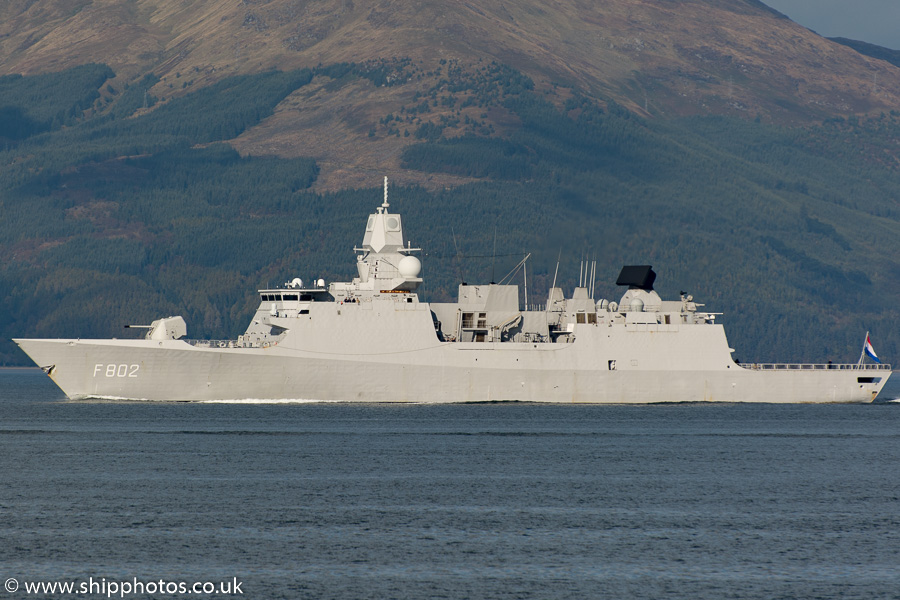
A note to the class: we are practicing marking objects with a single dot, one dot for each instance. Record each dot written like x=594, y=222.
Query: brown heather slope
x=658, y=57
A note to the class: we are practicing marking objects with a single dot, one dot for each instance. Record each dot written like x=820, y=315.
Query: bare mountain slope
x=658, y=57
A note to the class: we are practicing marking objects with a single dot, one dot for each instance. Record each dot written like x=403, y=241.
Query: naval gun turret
x=169, y=328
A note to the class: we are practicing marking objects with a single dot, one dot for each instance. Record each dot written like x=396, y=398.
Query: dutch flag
x=869, y=350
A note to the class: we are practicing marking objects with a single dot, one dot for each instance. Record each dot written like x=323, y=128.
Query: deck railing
x=213, y=343
x=231, y=343
x=814, y=367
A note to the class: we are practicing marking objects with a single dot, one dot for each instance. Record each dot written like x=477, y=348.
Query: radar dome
x=637, y=305
x=409, y=267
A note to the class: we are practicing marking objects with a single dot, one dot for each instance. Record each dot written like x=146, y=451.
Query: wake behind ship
x=372, y=340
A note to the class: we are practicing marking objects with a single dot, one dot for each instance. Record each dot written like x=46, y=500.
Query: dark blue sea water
x=464, y=501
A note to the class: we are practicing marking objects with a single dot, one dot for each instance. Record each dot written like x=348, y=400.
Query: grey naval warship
x=373, y=340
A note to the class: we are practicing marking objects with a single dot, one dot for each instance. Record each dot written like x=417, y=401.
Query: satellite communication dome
x=637, y=305
x=409, y=267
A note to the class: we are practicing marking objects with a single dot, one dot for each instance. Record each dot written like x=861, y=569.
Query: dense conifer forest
x=117, y=208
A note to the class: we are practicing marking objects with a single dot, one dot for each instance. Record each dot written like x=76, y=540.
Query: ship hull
x=174, y=370
x=372, y=340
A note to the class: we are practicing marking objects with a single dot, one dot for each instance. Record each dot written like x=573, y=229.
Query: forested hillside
x=116, y=208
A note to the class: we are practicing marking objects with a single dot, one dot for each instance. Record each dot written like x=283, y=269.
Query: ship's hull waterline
x=178, y=371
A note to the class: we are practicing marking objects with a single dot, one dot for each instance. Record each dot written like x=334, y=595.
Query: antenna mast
x=525, y=275
x=458, y=257
x=494, y=254
x=555, y=273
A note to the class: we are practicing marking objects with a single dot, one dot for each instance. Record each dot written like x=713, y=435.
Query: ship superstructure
x=372, y=339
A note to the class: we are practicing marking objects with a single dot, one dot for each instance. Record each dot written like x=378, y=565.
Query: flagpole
x=862, y=354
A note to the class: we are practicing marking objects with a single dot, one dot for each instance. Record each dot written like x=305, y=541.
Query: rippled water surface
x=461, y=501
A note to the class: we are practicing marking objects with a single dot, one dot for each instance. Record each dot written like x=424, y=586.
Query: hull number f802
x=116, y=370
